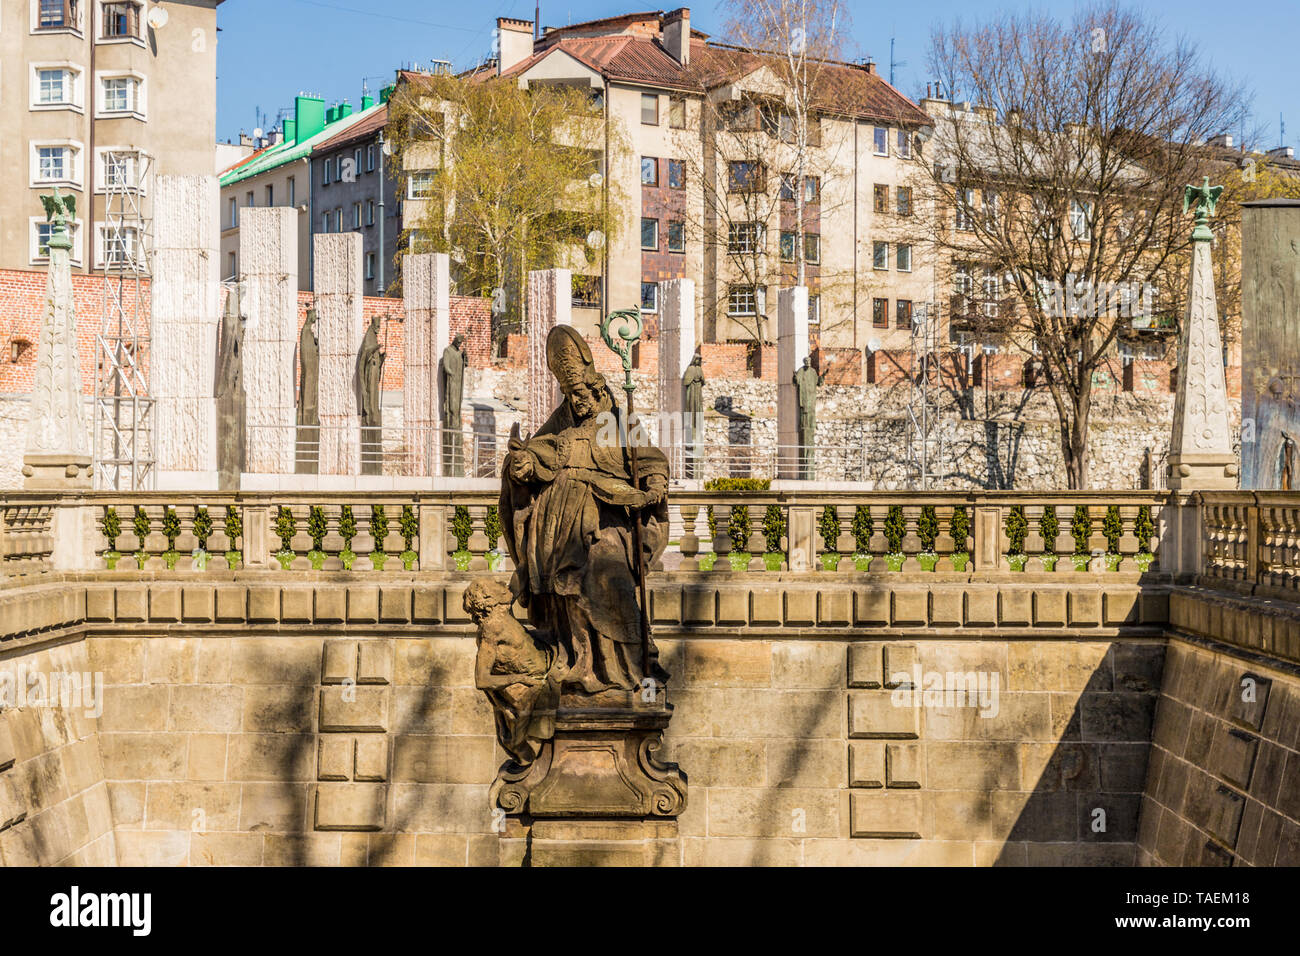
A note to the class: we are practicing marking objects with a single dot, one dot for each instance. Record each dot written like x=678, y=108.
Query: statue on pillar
x=452, y=370
x=370, y=377
x=693, y=410
x=806, y=382
x=584, y=514
x=307, y=461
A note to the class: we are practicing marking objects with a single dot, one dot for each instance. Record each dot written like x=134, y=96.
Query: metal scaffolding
x=926, y=458
x=123, y=439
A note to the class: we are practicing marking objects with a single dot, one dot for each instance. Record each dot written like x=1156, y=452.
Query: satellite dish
x=388, y=147
x=157, y=18
x=873, y=345
x=596, y=239
x=258, y=133
x=595, y=180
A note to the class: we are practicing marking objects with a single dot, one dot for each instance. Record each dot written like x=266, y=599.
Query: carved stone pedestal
x=596, y=795
x=57, y=472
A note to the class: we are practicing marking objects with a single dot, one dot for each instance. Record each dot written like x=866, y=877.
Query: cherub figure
x=515, y=670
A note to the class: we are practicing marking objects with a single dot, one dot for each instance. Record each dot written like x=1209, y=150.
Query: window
x=121, y=20
x=586, y=291
x=370, y=213
x=965, y=210
x=57, y=15
x=904, y=144
x=325, y=222
x=650, y=234
x=787, y=246
x=814, y=309
x=338, y=219
x=903, y=314
x=676, y=235
x=880, y=255
x=249, y=200
x=963, y=283
x=677, y=112
x=293, y=196
x=370, y=265
x=40, y=238
x=649, y=296
x=880, y=313
x=420, y=185
x=649, y=171
x=787, y=187
x=232, y=265
x=327, y=171
x=676, y=174
x=56, y=87
x=744, y=176
x=121, y=95
x=370, y=159
x=812, y=187
x=990, y=210
x=880, y=141
x=742, y=300
x=1080, y=219
x=54, y=163
x=1047, y=223
x=234, y=212
x=649, y=109
x=903, y=201
x=121, y=169
x=118, y=248
x=903, y=258
x=270, y=195
x=879, y=198
x=812, y=247
x=356, y=160
x=744, y=238
x=992, y=292
x=356, y=215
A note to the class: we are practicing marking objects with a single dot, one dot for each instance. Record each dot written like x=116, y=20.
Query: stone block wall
x=1224, y=782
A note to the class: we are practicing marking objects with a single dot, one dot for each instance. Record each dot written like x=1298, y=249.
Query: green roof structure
x=311, y=125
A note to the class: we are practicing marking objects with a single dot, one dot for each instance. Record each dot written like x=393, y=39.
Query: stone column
x=676, y=348
x=268, y=256
x=185, y=314
x=340, y=323
x=1200, y=450
x=550, y=303
x=1270, y=346
x=791, y=350
x=58, y=452
x=426, y=288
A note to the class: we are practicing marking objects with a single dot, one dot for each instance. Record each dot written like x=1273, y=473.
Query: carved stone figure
x=370, y=376
x=230, y=393
x=567, y=506
x=452, y=371
x=806, y=381
x=514, y=669
x=308, y=418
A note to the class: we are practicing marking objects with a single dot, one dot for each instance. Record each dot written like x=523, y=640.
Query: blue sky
x=271, y=49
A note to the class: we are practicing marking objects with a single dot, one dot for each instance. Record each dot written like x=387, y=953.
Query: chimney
x=514, y=42
x=345, y=109
x=245, y=139
x=676, y=34
x=309, y=116
x=291, y=129
x=367, y=101
x=870, y=65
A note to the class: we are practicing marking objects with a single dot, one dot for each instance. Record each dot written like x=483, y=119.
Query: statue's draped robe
x=569, y=532
x=693, y=386
x=805, y=383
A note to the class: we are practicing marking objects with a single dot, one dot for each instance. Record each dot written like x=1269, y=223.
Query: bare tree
x=1060, y=190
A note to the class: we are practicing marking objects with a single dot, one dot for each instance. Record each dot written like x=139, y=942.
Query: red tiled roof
x=247, y=159
x=357, y=132
x=849, y=90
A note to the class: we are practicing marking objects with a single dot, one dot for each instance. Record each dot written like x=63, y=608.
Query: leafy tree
x=409, y=525
x=462, y=526
x=1144, y=528
x=140, y=524
x=1112, y=526
x=111, y=526
x=171, y=527
x=347, y=526
x=959, y=528
x=895, y=529
x=286, y=526
x=927, y=527
x=202, y=527
x=863, y=528
x=317, y=527
x=1049, y=527
x=492, y=527
x=828, y=526
x=378, y=526
x=1017, y=529
x=234, y=527
x=1081, y=529
x=774, y=528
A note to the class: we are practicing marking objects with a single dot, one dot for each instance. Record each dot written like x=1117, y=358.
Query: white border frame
x=78, y=84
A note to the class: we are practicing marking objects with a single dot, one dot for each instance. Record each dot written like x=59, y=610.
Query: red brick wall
x=840, y=366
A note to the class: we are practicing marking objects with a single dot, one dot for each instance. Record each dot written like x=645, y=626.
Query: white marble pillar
x=550, y=303
x=426, y=289
x=58, y=452
x=268, y=257
x=1200, y=449
x=185, y=315
x=676, y=348
x=340, y=324
x=791, y=350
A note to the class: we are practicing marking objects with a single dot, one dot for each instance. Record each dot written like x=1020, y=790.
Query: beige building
x=99, y=95
x=712, y=193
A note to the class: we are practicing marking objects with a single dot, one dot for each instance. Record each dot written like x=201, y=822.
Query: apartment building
x=99, y=95
x=325, y=162
x=702, y=147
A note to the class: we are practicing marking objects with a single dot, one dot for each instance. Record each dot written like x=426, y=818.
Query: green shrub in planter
x=738, y=528
x=707, y=559
x=1081, y=531
x=171, y=529
x=492, y=530
x=772, y=560
x=140, y=524
x=347, y=531
x=862, y=561
x=1049, y=561
x=462, y=527
x=234, y=528
x=774, y=529
x=739, y=560
x=740, y=484
x=1112, y=527
x=112, y=527
x=1144, y=529
x=202, y=531
x=409, y=525
x=1144, y=560
x=862, y=528
x=1049, y=528
x=959, y=531
x=1017, y=532
x=895, y=532
x=927, y=529
x=1081, y=561
x=379, y=532
x=828, y=528
x=286, y=526
x=317, y=527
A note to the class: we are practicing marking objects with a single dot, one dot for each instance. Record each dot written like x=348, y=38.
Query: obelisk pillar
x=791, y=350
x=340, y=326
x=58, y=449
x=676, y=349
x=426, y=287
